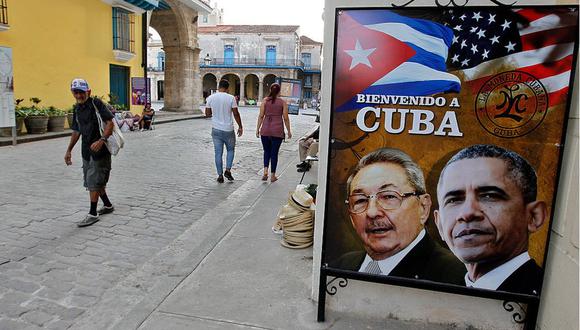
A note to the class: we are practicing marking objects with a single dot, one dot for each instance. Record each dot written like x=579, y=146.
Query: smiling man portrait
x=487, y=209
x=388, y=207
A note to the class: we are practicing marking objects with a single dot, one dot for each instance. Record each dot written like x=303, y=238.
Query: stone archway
x=209, y=84
x=267, y=82
x=177, y=26
x=234, y=81
x=251, y=88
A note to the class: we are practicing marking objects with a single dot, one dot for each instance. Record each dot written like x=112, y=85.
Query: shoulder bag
x=116, y=141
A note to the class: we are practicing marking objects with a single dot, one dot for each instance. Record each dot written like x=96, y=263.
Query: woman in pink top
x=271, y=121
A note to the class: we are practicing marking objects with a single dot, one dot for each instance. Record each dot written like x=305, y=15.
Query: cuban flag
x=381, y=52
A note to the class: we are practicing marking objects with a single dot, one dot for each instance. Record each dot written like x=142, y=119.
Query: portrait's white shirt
x=387, y=265
x=493, y=279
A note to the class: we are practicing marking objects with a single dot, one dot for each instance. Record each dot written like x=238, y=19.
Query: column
x=242, y=90
x=260, y=92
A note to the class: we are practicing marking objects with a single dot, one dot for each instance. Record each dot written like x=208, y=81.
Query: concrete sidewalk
x=229, y=271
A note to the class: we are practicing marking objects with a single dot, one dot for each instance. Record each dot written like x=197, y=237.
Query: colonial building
x=250, y=57
x=53, y=42
x=103, y=41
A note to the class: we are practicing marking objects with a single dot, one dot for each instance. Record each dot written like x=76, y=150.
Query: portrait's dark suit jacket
x=426, y=261
x=526, y=279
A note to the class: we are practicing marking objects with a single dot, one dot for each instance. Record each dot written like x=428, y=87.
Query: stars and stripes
x=538, y=41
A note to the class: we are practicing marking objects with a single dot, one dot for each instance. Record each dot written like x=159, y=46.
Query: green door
x=119, y=78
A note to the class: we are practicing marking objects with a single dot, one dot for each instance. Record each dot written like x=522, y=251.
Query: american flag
x=539, y=41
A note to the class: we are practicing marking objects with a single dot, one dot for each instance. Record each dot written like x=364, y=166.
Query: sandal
x=273, y=179
x=265, y=177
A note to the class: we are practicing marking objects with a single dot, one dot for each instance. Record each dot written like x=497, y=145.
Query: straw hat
x=302, y=198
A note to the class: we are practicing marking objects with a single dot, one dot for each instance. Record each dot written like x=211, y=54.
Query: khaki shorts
x=96, y=173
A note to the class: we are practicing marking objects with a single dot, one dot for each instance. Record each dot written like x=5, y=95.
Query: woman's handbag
x=116, y=141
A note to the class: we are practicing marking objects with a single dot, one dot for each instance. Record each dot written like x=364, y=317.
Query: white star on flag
x=477, y=16
x=360, y=55
x=510, y=46
x=494, y=40
x=474, y=48
x=485, y=54
x=491, y=19
x=506, y=25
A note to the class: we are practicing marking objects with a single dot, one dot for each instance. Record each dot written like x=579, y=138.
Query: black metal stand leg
x=532, y=315
x=301, y=179
x=321, y=296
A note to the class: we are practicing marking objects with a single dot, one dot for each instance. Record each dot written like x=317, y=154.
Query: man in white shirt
x=487, y=209
x=388, y=207
x=221, y=107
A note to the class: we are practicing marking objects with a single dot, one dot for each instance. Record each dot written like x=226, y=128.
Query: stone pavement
x=162, y=183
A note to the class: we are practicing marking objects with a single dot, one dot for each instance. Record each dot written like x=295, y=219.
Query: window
x=204, y=18
x=123, y=30
x=229, y=54
x=270, y=55
x=3, y=12
x=306, y=59
x=307, y=94
x=161, y=61
x=307, y=81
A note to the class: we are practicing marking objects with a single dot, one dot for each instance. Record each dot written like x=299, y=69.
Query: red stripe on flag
x=539, y=71
x=532, y=14
x=549, y=37
x=558, y=97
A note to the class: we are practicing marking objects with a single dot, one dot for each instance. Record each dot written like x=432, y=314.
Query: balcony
x=311, y=69
x=3, y=15
x=251, y=63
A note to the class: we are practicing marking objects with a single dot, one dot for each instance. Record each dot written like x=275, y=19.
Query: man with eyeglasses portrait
x=388, y=207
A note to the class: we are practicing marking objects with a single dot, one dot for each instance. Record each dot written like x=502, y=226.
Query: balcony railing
x=262, y=62
x=3, y=12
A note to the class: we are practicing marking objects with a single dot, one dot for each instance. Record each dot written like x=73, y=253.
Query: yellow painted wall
x=55, y=41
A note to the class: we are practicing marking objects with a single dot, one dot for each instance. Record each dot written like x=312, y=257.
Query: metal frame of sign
x=512, y=302
x=293, y=109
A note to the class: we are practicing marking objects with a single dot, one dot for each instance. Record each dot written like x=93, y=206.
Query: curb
x=7, y=141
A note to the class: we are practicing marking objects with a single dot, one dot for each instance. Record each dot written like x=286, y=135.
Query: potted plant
x=36, y=120
x=56, y=118
x=7, y=131
x=69, y=116
x=20, y=115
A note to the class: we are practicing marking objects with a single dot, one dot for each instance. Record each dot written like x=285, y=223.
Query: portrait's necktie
x=373, y=268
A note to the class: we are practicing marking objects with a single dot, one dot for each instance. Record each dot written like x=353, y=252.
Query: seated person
x=131, y=119
x=147, y=117
x=307, y=146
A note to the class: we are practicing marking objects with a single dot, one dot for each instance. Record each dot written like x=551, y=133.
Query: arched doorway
x=268, y=81
x=234, y=81
x=176, y=23
x=251, y=89
x=209, y=85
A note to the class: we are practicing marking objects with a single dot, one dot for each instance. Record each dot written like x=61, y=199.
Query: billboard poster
x=140, y=92
x=290, y=91
x=447, y=131
x=7, y=115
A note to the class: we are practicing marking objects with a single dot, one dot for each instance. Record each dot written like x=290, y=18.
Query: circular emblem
x=511, y=104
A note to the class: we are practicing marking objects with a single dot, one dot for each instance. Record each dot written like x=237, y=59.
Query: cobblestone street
x=162, y=182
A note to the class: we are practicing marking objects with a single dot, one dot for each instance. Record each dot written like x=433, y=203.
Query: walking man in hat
x=96, y=156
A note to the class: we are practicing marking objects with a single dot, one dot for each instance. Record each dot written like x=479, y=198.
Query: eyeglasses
x=387, y=200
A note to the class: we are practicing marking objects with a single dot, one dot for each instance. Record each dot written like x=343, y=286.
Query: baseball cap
x=79, y=84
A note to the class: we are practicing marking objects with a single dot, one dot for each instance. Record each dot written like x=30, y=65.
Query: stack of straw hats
x=297, y=220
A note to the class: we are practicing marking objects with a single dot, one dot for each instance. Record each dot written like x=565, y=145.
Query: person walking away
x=96, y=156
x=270, y=128
x=221, y=107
